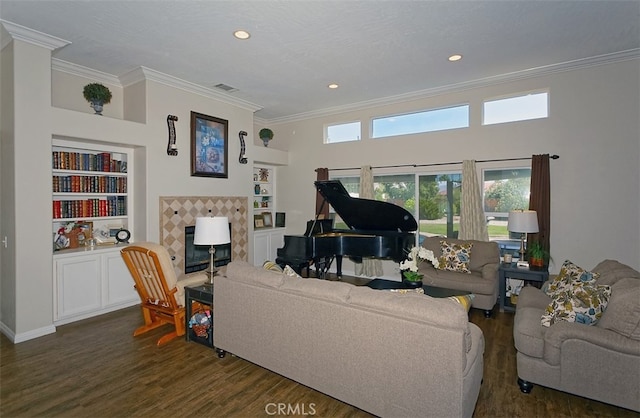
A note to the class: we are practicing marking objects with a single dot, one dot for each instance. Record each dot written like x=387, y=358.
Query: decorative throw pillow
x=569, y=276
x=623, y=312
x=455, y=257
x=582, y=303
x=464, y=300
x=289, y=271
x=270, y=265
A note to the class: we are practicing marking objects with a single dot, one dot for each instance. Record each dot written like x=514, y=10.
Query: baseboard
x=26, y=336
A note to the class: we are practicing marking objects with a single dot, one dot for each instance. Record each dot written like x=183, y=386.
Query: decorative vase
x=411, y=279
x=97, y=106
x=265, y=141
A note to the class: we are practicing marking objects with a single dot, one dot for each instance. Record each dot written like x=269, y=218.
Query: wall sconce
x=172, y=148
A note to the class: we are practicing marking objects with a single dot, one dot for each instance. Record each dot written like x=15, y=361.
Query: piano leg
x=339, y=266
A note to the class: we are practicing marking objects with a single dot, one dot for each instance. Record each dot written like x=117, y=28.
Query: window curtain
x=322, y=211
x=473, y=224
x=540, y=199
x=370, y=266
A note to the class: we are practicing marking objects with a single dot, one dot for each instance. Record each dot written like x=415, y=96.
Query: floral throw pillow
x=582, y=303
x=569, y=276
x=455, y=257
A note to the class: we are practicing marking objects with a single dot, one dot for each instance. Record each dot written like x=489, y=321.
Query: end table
x=510, y=271
x=204, y=295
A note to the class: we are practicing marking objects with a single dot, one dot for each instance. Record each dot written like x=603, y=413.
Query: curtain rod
x=553, y=157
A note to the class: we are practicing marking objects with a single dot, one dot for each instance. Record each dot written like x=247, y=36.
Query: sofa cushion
x=611, y=271
x=455, y=257
x=582, y=303
x=325, y=289
x=245, y=272
x=474, y=282
x=570, y=275
x=484, y=252
x=623, y=312
x=464, y=300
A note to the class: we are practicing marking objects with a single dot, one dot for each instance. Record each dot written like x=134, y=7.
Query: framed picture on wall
x=258, y=222
x=266, y=217
x=280, y=220
x=209, y=146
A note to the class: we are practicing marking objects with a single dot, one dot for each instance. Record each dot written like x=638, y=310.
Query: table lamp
x=212, y=231
x=523, y=222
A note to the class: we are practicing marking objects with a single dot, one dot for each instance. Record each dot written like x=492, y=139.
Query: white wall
x=593, y=126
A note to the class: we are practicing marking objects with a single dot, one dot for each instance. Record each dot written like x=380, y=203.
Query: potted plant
x=97, y=95
x=266, y=135
x=538, y=255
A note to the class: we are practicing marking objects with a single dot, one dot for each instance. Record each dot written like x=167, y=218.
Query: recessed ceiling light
x=333, y=86
x=242, y=34
x=456, y=57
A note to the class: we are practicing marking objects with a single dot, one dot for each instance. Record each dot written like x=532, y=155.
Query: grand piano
x=376, y=229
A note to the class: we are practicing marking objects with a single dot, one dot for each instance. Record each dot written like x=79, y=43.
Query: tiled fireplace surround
x=176, y=212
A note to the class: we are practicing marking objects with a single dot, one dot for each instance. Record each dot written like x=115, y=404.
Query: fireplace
x=197, y=258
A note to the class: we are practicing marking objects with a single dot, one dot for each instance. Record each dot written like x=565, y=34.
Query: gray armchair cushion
x=482, y=252
x=623, y=313
x=611, y=271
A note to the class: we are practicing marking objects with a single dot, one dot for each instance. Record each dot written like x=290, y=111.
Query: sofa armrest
x=490, y=271
x=563, y=331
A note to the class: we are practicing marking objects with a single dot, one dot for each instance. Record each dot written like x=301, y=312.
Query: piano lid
x=365, y=214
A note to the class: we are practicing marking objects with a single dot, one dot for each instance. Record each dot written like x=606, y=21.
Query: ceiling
x=372, y=49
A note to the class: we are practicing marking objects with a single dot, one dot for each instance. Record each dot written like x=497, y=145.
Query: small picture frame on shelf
x=280, y=219
x=258, y=221
x=266, y=217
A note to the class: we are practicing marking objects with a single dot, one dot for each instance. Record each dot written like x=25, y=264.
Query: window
x=504, y=190
x=512, y=109
x=343, y=132
x=439, y=204
x=427, y=121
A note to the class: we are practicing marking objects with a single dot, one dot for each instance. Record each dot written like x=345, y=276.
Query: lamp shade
x=523, y=221
x=212, y=231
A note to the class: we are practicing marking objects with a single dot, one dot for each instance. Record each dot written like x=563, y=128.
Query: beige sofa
x=600, y=361
x=484, y=261
x=390, y=354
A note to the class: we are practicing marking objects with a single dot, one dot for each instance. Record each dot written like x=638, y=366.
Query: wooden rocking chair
x=161, y=294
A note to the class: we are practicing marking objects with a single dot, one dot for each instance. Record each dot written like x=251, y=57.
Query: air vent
x=226, y=88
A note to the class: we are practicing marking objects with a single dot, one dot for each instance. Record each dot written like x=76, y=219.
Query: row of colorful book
x=90, y=208
x=89, y=184
x=65, y=160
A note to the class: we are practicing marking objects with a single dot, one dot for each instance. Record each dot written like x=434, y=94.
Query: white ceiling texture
x=375, y=50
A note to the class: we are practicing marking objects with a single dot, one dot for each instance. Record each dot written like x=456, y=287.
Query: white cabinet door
x=266, y=244
x=261, y=248
x=117, y=281
x=78, y=285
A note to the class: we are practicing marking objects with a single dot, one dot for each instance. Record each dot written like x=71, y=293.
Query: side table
x=202, y=294
x=510, y=271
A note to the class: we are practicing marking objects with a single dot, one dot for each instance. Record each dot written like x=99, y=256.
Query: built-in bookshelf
x=91, y=189
x=264, y=196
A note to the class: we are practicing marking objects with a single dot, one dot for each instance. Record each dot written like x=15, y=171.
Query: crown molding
x=21, y=33
x=458, y=87
x=86, y=72
x=144, y=73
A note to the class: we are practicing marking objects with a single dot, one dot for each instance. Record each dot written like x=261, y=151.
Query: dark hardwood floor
x=96, y=368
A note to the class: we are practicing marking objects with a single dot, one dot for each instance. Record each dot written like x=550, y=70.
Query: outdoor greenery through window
x=436, y=203
x=343, y=132
x=504, y=190
x=418, y=122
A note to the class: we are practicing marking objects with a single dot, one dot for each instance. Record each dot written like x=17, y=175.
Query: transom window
x=515, y=108
x=343, y=132
x=418, y=122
